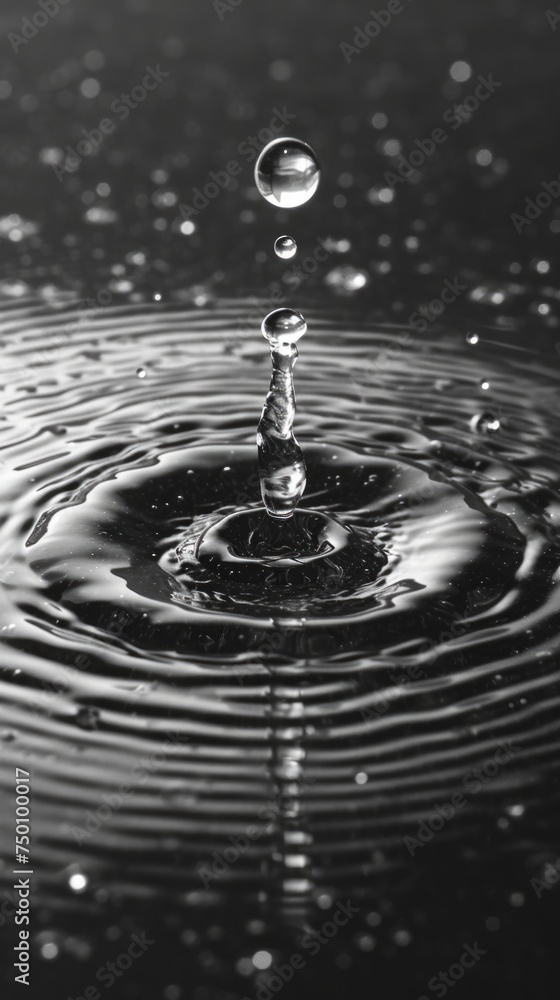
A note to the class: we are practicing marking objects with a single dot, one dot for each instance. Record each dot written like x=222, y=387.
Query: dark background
x=223, y=86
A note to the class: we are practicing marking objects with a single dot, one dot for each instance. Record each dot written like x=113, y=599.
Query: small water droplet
x=285, y=247
x=485, y=423
x=484, y=384
x=283, y=327
x=141, y=372
x=287, y=173
x=472, y=338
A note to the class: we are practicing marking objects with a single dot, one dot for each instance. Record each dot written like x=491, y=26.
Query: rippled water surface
x=225, y=747
x=327, y=710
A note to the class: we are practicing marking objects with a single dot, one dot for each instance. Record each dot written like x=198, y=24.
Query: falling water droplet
x=485, y=423
x=141, y=372
x=484, y=384
x=472, y=338
x=285, y=247
x=283, y=327
x=287, y=173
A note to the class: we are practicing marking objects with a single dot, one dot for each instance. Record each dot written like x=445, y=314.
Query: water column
x=287, y=175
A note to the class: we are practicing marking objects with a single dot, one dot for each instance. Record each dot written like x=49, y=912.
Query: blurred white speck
x=262, y=960
x=516, y=810
x=483, y=157
x=346, y=180
x=49, y=950
x=157, y=297
x=15, y=289
x=336, y=246
x=402, y=938
x=136, y=257
x=122, y=286
x=172, y=992
x=187, y=227
x=500, y=166
x=280, y=70
x=100, y=215
x=141, y=372
x=386, y=196
x=392, y=147
x=244, y=967
x=365, y=942
x=159, y=176
x=379, y=120
x=77, y=882
x=90, y=87
x=94, y=60
x=103, y=189
x=544, y=308
x=360, y=778
x=347, y=279
x=17, y=228
x=5, y=90
x=380, y=196
x=164, y=199
x=460, y=71
x=51, y=156
x=412, y=243
x=543, y=266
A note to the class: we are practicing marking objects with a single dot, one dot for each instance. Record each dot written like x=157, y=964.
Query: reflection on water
x=230, y=756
